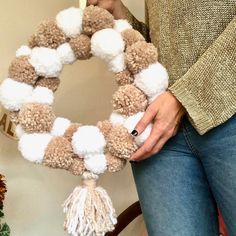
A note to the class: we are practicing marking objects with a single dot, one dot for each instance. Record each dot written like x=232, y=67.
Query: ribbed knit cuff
x=201, y=121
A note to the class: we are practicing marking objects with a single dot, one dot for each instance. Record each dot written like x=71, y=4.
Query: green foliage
x=4, y=228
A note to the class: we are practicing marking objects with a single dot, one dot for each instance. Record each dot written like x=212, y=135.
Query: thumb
x=144, y=122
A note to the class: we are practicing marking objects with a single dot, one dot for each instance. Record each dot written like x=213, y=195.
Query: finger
x=147, y=118
x=92, y=2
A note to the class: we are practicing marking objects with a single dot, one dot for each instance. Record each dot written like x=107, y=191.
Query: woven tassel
x=89, y=210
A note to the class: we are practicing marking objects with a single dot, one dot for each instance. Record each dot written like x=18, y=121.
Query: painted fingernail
x=133, y=162
x=134, y=133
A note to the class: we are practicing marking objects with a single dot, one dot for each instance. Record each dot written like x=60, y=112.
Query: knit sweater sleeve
x=208, y=89
x=143, y=28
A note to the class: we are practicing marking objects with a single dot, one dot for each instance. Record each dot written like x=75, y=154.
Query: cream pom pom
x=88, y=140
x=33, y=146
x=70, y=21
x=121, y=25
x=130, y=124
x=66, y=53
x=60, y=126
x=152, y=81
x=23, y=51
x=14, y=94
x=106, y=44
x=46, y=61
x=41, y=95
x=117, y=119
x=19, y=131
x=117, y=64
x=96, y=163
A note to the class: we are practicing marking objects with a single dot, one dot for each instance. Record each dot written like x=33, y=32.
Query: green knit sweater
x=196, y=40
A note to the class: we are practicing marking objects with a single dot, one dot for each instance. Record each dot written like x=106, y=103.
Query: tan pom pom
x=50, y=83
x=129, y=100
x=131, y=36
x=49, y=35
x=32, y=41
x=77, y=167
x=70, y=131
x=120, y=143
x=139, y=56
x=36, y=118
x=105, y=127
x=81, y=46
x=124, y=77
x=114, y=164
x=14, y=117
x=59, y=153
x=21, y=70
x=95, y=19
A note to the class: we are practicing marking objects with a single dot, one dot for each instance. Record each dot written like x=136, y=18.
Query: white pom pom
x=106, y=44
x=14, y=94
x=33, y=146
x=70, y=21
x=117, y=119
x=41, y=95
x=60, y=126
x=23, y=51
x=130, y=124
x=88, y=140
x=96, y=163
x=153, y=80
x=66, y=53
x=117, y=64
x=46, y=61
x=121, y=25
x=19, y=131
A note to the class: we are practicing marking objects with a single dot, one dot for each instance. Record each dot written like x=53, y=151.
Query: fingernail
x=134, y=133
x=133, y=161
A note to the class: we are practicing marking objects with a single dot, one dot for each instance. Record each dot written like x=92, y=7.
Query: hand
x=166, y=112
x=113, y=6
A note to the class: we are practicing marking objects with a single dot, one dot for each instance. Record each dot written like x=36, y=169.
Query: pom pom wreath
x=19, y=131
x=59, y=153
x=22, y=71
x=105, y=127
x=70, y=131
x=114, y=164
x=130, y=124
x=70, y=21
x=23, y=51
x=95, y=19
x=121, y=25
x=33, y=146
x=139, y=56
x=152, y=81
x=50, y=83
x=13, y=94
x=14, y=116
x=46, y=61
x=77, y=167
x=96, y=163
x=66, y=54
x=124, y=77
x=60, y=126
x=131, y=36
x=102, y=47
x=41, y=95
x=36, y=118
x=88, y=140
x=117, y=119
x=117, y=64
x=129, y=100
x=120, y=142
x=49, y=35
x=81, y=46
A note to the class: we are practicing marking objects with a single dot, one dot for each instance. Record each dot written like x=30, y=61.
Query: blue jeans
x=181, y=187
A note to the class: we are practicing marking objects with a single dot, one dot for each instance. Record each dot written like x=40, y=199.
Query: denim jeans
x=181, y=187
